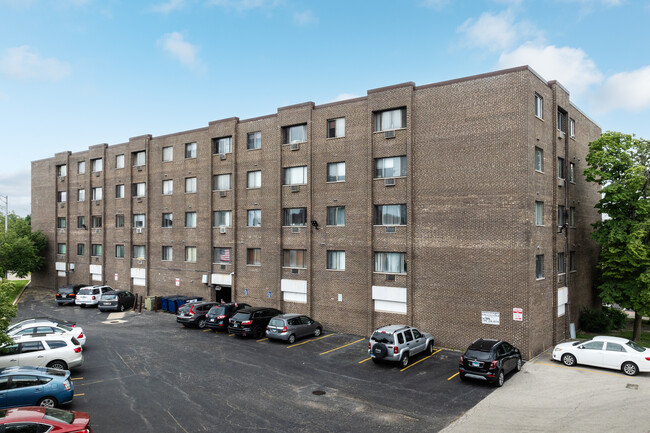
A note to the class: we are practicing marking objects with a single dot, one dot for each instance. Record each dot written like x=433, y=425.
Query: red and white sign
x=178, y=281
x=518, y=314
x=115, y=277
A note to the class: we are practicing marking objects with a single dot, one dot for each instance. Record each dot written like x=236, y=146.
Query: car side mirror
x=581, y=347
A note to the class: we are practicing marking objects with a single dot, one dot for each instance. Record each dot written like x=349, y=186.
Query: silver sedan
x=289, y=327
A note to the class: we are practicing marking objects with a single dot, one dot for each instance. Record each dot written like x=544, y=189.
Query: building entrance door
x=223, y=293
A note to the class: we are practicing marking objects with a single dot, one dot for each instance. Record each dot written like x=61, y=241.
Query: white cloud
x=569, y=66
x=304, y=18
x=24, y=63
x=169, y=6
x=626, y=90
x=176, y=46
x=242, y=5
x=344, y=96
x=497, y=32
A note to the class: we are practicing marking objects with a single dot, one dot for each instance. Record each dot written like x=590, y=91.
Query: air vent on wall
x=390, y=229
x=295, y=188
x=389, y=182
x=222, y=230
x=222, y=193
x=138, y=230
x=390, y=277
x=295, y=146
x=295, y=271
x=222, y=156
x=295, y=229
x=389, y=134
x=139, y=168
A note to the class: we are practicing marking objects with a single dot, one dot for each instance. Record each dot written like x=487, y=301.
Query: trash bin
x=173, y=303
x=149, y=302
x=164, y=303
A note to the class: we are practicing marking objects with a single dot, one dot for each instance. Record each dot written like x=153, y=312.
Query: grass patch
x=18, y=284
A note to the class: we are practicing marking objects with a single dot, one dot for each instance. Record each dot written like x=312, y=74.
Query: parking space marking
x=262, y=339
x=417, y=362
x=76, y=378
x=207, y=330
x=309, y=341
x=454, y=376
x=367, y=359
x=231, y=335
x=581, y=369
x=341, y=347
x=78, y=395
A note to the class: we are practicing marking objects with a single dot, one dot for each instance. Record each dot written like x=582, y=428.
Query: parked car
x=607, y=352
x=35, y=419
x=46, y=327
x=67, y=294
x=41, y=319
x=219, y=315
x=251, y=321
x=90, y=295
x=194, y=313
x=398, y=343
x=116, y=300
x=53, y=351
x=489, y=360
x=289, y=327
x=34, y=386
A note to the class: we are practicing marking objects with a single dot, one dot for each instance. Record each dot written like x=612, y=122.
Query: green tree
x=20, y=248
x=619, y=163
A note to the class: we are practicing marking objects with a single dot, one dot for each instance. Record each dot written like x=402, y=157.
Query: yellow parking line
x=78, y=395
x=231, y=335
x=76, y=378
x=580, y=369
x=427, y=357
x=309, y=341
x=207, y=330
x=263, y=339
x=453, y=376
x=367, y=359
x=341, y=347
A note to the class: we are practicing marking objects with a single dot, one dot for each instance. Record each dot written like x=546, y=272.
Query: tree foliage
x=20, y=248
x=620, y=164
x=7, y=309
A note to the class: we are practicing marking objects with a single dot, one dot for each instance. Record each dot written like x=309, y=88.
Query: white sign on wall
x=115, y=277
x=490, y=317
x=178, y=282
x=518, y=314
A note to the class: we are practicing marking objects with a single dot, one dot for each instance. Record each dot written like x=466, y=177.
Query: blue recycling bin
x=172, y=303
x=163, y=303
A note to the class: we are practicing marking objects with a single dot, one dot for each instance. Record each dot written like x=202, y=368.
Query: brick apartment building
x=459, y=207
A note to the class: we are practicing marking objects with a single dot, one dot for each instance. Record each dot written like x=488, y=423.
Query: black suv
x=489, y=360
x=251, y=321
x=68, y=293
x=194, y=313
x=219, y=315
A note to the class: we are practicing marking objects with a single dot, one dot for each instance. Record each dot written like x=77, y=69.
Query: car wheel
x=430, y=348
x=82, y=305
x=48, y=402
x=518, y=367
x=376, y=360
x=379, y=350
x=568, y=360
x=61, y=365
x=404, y=362
x=292, y=339
x=630, y=368
x=500, y=379
x=317, y=332
x=201, y=323
x=258, y=332
x=462, y=377
x=121, y=307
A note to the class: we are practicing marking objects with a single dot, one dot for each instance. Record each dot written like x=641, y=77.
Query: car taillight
x=284, y=329
x=494, y=364
x=395, y=350
x=77, y=349
x=66, y=385
x=221, y=317
x=461, y=359
x=247, y=322
x=81, y=335
x=192, y=310
x=369, y=345
x=94, y=298
x=72, y=295
x=647, y=358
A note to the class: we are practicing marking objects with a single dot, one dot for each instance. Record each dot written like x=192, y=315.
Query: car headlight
x=557, y=349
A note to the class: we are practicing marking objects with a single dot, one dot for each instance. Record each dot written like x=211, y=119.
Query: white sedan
x=45, y=327
x=608, y=352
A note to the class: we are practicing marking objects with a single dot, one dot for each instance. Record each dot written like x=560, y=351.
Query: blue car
x=34, y=386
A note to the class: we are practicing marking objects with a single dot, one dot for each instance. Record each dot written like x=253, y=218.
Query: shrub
x=595, y=321
x=619, y=318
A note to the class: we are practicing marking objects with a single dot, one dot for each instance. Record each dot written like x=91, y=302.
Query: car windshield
x=65, y=290
x=276, y=322
x=635, y=346
x=112, y=297
x=478, y=354
x=59, y=415
x=86, y=291
x=382, y=337
x=217, y=311
x=241, y=316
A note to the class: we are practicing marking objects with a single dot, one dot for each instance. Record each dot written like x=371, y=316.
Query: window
x=81, y=222
x=190, y=219
x=336, y=260
x=167, y=154
x=390, y=167
x=190, y=150
x=294, y=134
x=390, y=215
x=295, y=175
x=539, y=213
x=613, y=347
x=293, y=258
x=81, y=195
x=167, y=253
x=61, y=196
x=221, y=255
x=572, y=128
x=254, y=256
x=561, y=217
x=254, y=140
x=119, y=191
x=61, y=248
x=167, y=220
x=572, y=261
x=222, y=182
x=335, y=216
x=336, y=172
x=119, y=251
x=222, y=218
x=539, y=159
x=539, y=106
x=560, y=264
x=96, y=165
x=138, y=189
x=561, y=121
x=81, y=167
x=390, y=119
x=60, y=222
x=167, y=187
x=138, y=220
x=254, y=179
x=393, y=263
x=572, y=172
x=560, y=168
x=254, y=218
x=62, y=170
x=295, y=216
x=81, y=249
x=97, y=193
x=190, y=254
x=119, y=161
x=336, y=128
x=190, y=184
x=539, y=266
x=119, y=221
x=139, y=252
x=222, y=145
x=138, y=158
x=96, y=222
x=96, y=250
x=572, y=217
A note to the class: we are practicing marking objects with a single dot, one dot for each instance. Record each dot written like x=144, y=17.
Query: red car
x=44, y=419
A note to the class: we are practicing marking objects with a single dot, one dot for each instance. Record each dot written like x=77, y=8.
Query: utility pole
x=5, y=198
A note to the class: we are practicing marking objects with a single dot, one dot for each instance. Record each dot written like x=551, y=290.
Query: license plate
x=211, y=320
x=476, y=364
x=106, y=303
x=234, y=325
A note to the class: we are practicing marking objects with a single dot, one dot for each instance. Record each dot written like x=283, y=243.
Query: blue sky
x=74, y=73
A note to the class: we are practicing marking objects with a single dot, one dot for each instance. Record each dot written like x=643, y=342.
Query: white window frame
x=167, y=154
x=168, y=186
x=119, y=191
x=254, y=218
x=336, y=127
x=167, y=253
x=392, y=163
x=191, y=150
x=190, y=185
x=539, y=106
x=254, y=138
x=390, y=262
x=97, y=193
x=336, y=171
x=335, y=260
x=190, y=254
x=334, y=215
x=81, y=167
x=97, y=165
x=295, y=175
x=539, y=213
x=222, y=145
x=255, y=254
x=139, y=220
x=222, y=182
x=390, y=120
x=254, y=179
x=119, y=161
x=81, y=194
x=190, y=220
x=295, y=134
x=222, y=218
x=292, y=259
x=139, y=158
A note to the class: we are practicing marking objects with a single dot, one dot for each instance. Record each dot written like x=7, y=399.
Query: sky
x=75, y=73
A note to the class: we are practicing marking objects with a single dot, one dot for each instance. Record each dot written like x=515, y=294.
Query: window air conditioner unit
x=390, y=229
x=96, y=202
x=139, y=262
x=222, y=267
x=61, y=205
x=222, y=156
x=295, y=146
x=139, y=168
x=295, y=229
x=139, y=200
x=390, y=277
x=138, y=230
x=96, y=174
x=62, y=178
x=222, y=230
x=389, y=182
x=222, y=193
x=560, y=182
x=389, y=134
x=96, y=230
x=295, y=188
x=295, y=271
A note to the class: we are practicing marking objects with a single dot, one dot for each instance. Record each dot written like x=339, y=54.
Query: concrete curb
x=20, y=295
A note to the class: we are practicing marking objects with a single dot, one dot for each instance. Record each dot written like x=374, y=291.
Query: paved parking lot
x=145, y=372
